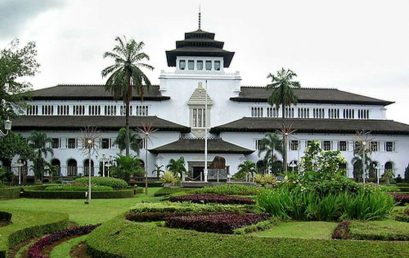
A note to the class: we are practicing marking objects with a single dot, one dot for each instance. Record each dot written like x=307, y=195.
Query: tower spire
x=200, y=18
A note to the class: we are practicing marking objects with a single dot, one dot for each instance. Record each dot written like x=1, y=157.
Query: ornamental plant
x=212, y=198
x=168, y=178
x=266, y=179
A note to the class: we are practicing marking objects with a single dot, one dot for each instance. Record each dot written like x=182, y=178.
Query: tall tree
x=41, y=146
x=134, y=140
x=268, y=145
x=282, y=85
x=126, y=73
x=15, y=63
x=177, y=167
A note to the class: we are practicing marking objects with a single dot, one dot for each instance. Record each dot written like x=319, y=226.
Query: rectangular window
x=105, y=143
x=342, y=146
x=258, y=144
x=294, y=145
x=199, y=65
x=307, y=143
x=71, y=143
x=182, y=64
x=208, y=65
x=191, y=64
x=374, y=146
x=217, y=65
x=327, y=145
x=55, y=143
x=389, y=146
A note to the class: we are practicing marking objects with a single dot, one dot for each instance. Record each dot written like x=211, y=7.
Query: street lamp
x=7, y=127
x=89, y=145
x=20, y=163
x=363, y=161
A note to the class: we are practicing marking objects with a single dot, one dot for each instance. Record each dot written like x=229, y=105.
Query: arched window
x=72, y=168
x=57, y=165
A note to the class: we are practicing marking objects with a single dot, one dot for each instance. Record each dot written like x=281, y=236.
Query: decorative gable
x=198, y=97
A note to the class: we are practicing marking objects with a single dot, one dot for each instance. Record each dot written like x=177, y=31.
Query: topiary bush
x=115, y=183
x=229, y=189
x=212, y=198
x=223, y=223
x=78, y=188
x=125, y=193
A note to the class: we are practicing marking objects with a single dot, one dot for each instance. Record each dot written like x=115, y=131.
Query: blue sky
x=358, y=46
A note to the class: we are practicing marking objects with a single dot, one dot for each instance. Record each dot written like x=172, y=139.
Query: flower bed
x=223, y=223
x=35, y=251
x=212, y=198
x=402, y=198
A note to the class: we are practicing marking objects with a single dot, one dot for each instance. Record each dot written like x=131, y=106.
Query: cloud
x=15, y=14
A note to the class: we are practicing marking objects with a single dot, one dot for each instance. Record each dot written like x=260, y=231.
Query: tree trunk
x=127, y=101
x=284, y=137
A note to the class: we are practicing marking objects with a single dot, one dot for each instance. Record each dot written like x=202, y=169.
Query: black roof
x=199, y=43
x=61, y=123
x=187, y=145
x=90, y=92
x=253, y=124
x=309, y=95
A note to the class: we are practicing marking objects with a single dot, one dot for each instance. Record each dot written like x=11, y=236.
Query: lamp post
x=89, y=147
x=363, y=161
x=7, y=127
x=205, y=171
x=20, y=163
x=109, y=164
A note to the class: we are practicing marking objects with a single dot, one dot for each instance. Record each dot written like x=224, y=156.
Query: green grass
x=380, y=230
x=128, y=239
x=64, y=249
x=300, y=229
x=98, y=211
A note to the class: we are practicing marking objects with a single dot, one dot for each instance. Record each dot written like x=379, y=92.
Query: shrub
x=127, y=193
x=168, y=178
x=5, y=216
x=387, y=230
x=165, y=191
x=115, y=183
x=223, y=223
x=306, y=205
x=401, y=198
x=342, y=231
x=35, y=251
x=212, y=198
x=75, y=188
x=266, y=179
x=126, y=167
x=260, y=226
x=229, y=189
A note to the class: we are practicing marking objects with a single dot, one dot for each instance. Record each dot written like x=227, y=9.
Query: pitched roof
x=186, y=145
x=86, y=92
x=252, y=124
x=309, y=95
x=101, y=122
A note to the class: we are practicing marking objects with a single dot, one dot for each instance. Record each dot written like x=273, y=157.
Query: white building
x=238, y=116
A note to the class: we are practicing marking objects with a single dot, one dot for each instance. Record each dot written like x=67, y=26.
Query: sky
x=360, y=46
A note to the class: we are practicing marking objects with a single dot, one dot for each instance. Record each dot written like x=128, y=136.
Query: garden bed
x=401, y=198
x=212, y=198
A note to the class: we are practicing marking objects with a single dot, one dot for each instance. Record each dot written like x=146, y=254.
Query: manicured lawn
x=380, y=230
x=300, y=229
x=98, y=211
x=64, y=249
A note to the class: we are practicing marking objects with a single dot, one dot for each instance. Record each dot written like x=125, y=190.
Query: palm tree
x=177, y=167
x=40, y=144
x=134, y=140
x=247, y=167
x=158, y=170
x=282, y=95
x=268, y=145
x=126, y=74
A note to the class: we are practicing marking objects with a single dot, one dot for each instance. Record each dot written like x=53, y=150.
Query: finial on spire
x=200, y=17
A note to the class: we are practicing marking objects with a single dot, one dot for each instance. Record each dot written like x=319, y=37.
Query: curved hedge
x=127, y=193
x=5, y=216
x=121, y=238
x=28, y=224
x=115, y=183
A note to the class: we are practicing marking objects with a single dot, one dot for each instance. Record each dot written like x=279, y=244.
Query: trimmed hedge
x=5, y=216
x=165, y=191
x=150, y=184
x=212, y=198
x=128, y=193
x=78, y=188
x=35, y=251
x=29, y=224
x=121, y=238
x=402, y=217
x=115, y=183
x=223, y=223
x=14, y=191
x=388, y=230
x=229, y=189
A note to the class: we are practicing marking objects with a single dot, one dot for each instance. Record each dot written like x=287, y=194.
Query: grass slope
x=300, y=229
x=121, y=238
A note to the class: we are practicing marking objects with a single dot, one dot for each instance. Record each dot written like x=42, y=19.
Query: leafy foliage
x=79, y=188
x=115, y=183
x=126, y=167
x=41, y=146
x=126, y=73
x=269, y=144
x=14, y=144
x=134, y=140
x=266, y=179
x=212, y=198
x=342, y=230
x=248, y=167
x=177, y=167
x=387, y=230
x=223, y=223
x=168, y=178
x=401, y=198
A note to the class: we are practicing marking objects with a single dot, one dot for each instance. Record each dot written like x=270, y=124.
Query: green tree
x=282, y=85
x=14, y=144
x=177, y=167
x=268, y=145
x=158, y=170
x=15, y=63
x=134, y=140
x=406, y=179
x=126, y=73
x=41, y=146
x=126, y=167
x=245, y=168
